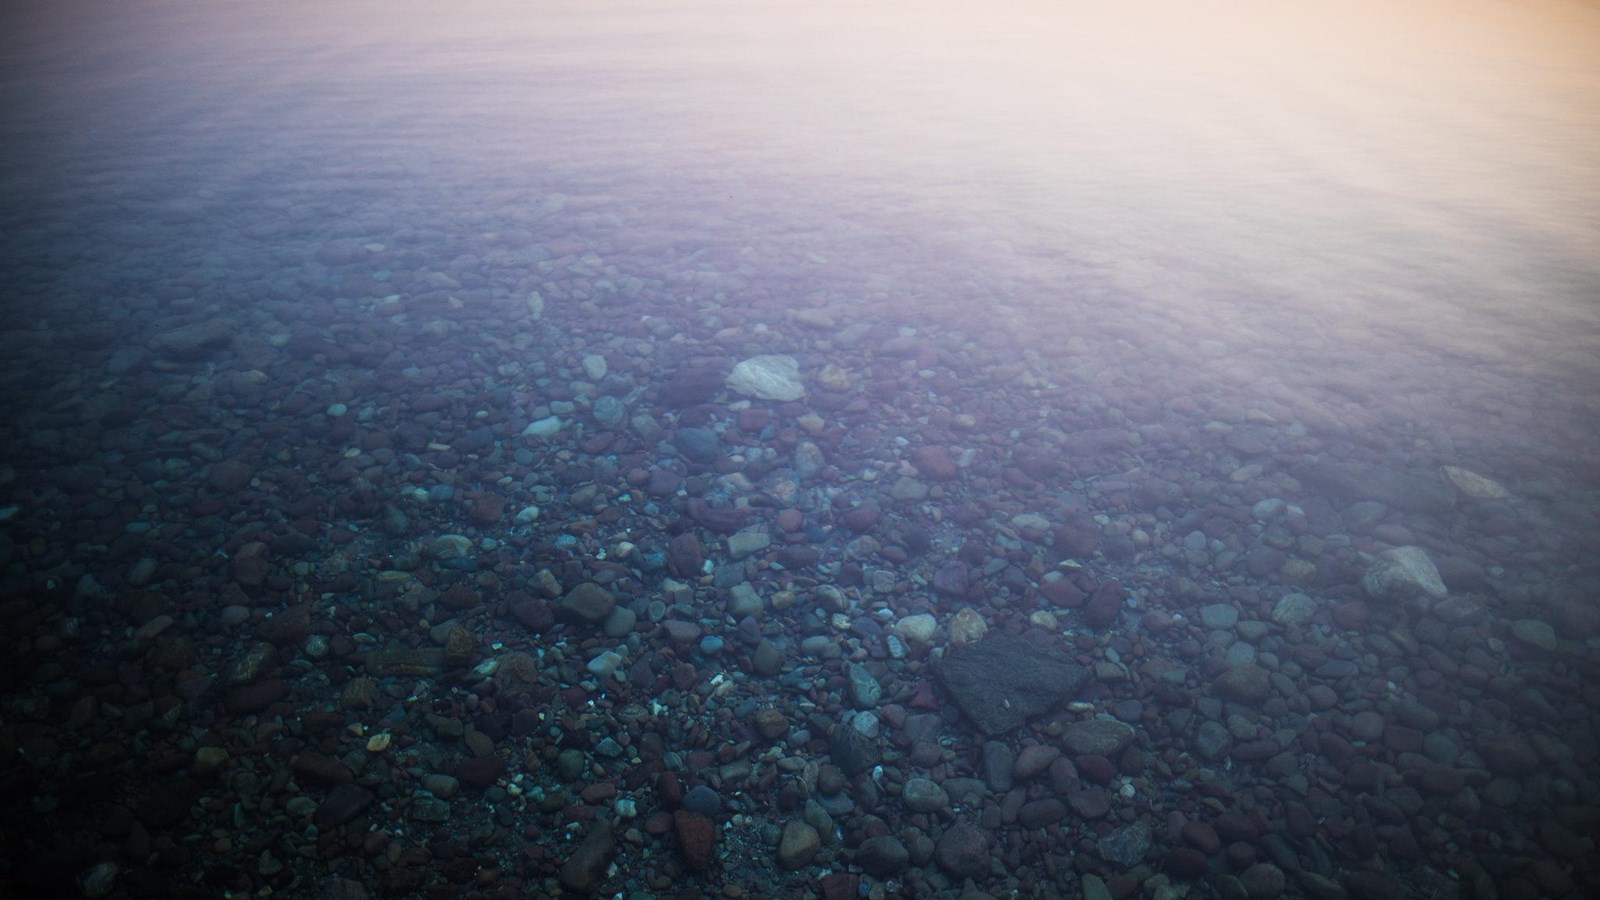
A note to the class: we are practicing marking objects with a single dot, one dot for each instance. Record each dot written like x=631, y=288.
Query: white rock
x=768, y=378
x=545, y=427
x=1404, y=575
x=1474, y=485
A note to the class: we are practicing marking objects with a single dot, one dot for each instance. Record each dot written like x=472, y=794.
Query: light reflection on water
x=1368, y=196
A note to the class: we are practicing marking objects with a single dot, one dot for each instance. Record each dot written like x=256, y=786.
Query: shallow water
x=1157, y=265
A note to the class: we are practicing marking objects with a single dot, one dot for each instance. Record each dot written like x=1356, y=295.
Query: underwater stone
x=768, y=378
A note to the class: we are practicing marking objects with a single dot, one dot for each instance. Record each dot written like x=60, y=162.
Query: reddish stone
x=487, y=509
x=459, y=596
x=934, y=463
x=479, y=772
x=791, y=519
x=1061, y=592
x=1104, y=605
x=696, y=838
x=754, y=419
x=685, y=556
x=861, y=520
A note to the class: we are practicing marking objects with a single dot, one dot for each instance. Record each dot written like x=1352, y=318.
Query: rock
x=883, y=856
x=1040, y=813
x=389, y=661
x=699, y=445
x=999, y=764
x=852, y=751
x=194, y=341
x=1104, y=605
x=343, y=803
x=951, y=578
x=1003, y=680
x=1294, y=609
x=588, y=602
x=1248, y=683
x=923, y=795
x=966, y=626
x=747, y=542
x=768, y=378
x=1033, y=759
x=1090, y=803
x=1127, y=845
x=697, y=836
x=320, y=769
x=1534, y=633
x=1508, y=754
x=230, y=475
x=918, y=630
x=685, y=557
x=963, y=852
x=864, y=688
x=798, y=845
x=1411, y=491
x=1097, y=737
x=934, y=463
x=1264, y=881
x=584, y=869
x=1404, y=575
x=1475, y=486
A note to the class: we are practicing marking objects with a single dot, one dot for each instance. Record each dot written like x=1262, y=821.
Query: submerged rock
x=1404, y=575
x=1003, y=680
x=769, y=377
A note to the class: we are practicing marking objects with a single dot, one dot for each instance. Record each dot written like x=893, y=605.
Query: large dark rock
x=1347, y=482
x=1003, y=680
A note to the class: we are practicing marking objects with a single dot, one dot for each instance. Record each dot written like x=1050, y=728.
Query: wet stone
x=584, y=869
x=883, y=856
x=798, y=845
x=588, y=602
x=963, y=851
x=924, y=796
x=1127, y=845
x=1002, y=680
x=1097, y=737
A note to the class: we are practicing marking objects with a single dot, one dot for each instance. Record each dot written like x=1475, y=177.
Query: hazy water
x=1359, y=208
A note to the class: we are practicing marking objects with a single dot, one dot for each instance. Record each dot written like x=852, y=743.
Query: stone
x=769, y=377
x=963, y=852
x=1244, y=684
x=1127, y=845
x=1097, y=737
x=923, y=795
x=685, y=557
x=864, y=688
x=1411, y=491
x=1404, y=575
x=934, y=463
x=1040, y=813
x=1535, y=633
x=1003, y=680
x=585, y=867
x=697, y=837
x=883, y=856
x=798, y=844
x=230, y=475
x=588, y=602
x=194, y=341
x=918, y=630
x=343, y=803
x=1475, y=486
x=1294, y=609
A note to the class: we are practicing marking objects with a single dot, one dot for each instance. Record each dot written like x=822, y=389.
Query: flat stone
x=1097, y=737
x=798, y=845
x=1003, y=680
x=584, y=869
x=963, y=851
x=770, y=377
x=588, y=602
